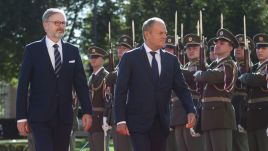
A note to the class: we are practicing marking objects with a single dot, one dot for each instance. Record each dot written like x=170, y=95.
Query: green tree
x=21, y=24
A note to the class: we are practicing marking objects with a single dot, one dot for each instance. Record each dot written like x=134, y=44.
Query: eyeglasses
x=58, y=23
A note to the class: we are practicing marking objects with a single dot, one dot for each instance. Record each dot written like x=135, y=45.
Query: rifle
x=202, y=67
x=133, y=35
x=180, y=48
x=111, y=55
x=176, y=51
x=202, y=59
x=221, y=21
x=246, y=49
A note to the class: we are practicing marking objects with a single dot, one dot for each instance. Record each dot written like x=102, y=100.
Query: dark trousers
x=153, y=140
x=185, y=141
x=53, y=135
x=258, y=140
x=121, y=142
x=171, y=141
x=240, y=141
x=96, y=141
x=218, y=140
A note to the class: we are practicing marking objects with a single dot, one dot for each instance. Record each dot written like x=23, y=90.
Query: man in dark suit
x=52, y=68
x=146, y=77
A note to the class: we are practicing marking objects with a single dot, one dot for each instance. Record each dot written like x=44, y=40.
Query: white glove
x=241, y=129
x=105, y=125
x=193, y=133
x=197, y=73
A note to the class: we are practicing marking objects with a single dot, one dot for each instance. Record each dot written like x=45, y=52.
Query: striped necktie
x=154, y=68
x=57, y=60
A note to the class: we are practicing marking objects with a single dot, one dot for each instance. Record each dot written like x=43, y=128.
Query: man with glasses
x=52, y=68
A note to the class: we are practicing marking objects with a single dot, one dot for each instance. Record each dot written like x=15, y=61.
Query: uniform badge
x=93, y=50
x=169, y=40
x=190, y=39
x=221, y=33
x=240, y=39
x=125, y=39
x=260, y=38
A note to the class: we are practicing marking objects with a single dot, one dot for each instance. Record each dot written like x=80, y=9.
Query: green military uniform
x=184, y=140
x=239, y=101
x=218, y=115
x=96, y=88
x=257, y=122
x=171, y=142
x=121, y=142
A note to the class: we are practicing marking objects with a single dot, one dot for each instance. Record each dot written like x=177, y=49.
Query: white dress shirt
x=150, y=57
x=50, y=48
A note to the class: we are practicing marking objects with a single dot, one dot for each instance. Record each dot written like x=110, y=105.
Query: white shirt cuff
x=122, y=122
x=21, y=120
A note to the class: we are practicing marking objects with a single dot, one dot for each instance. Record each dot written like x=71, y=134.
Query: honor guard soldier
x=257, y=111
x=170, y=44
x=211, y=46
x=171, y=142
x=187, y=139
x=96, y=88
x=218, y=115
x=239, y=100
x=121, y=142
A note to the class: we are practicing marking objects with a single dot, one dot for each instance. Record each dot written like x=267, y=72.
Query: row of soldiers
x=231, y=98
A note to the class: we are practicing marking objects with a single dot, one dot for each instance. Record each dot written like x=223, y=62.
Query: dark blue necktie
x=57, y=60
x=155, y=71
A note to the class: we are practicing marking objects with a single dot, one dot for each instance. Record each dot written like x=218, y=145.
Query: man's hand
x=87, y=121
x=122, y=129
x=23, y=128
x=191, y=120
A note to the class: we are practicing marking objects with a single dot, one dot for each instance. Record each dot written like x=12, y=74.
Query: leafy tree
x=88, y=22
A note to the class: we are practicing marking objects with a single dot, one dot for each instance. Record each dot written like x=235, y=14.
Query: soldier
x=257, y=122
x=96, y=88
x=239, y=100
x=75, y=106
x=186, y=140
x=171, y=142
x=211, y=46
x=218, y=115
x=121, y=142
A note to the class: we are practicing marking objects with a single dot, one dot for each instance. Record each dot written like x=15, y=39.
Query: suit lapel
x=47, y=57
x=64, y=56
x=163, y=64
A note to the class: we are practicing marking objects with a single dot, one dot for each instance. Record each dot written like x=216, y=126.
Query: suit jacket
x=50, y=96
x=138, y=100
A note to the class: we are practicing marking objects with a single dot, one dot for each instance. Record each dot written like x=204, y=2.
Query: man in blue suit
x=52, y=68
x=146, y=77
